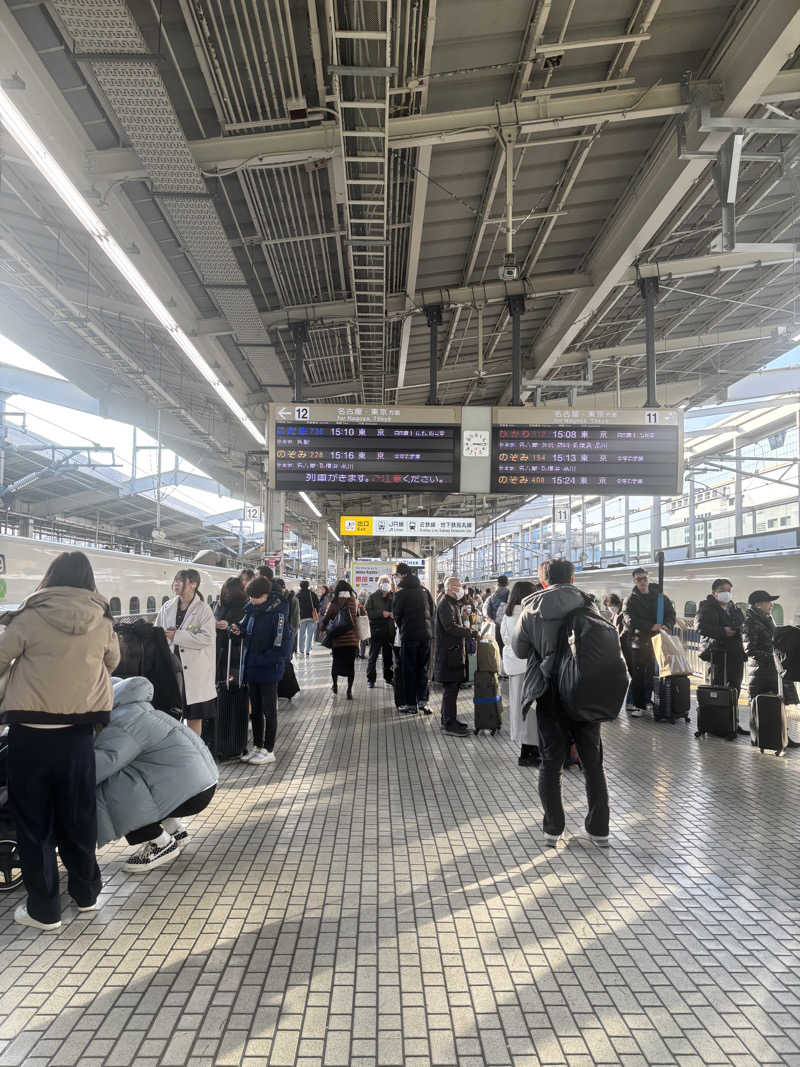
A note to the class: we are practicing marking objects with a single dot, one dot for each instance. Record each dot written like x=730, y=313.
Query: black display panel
x=583, y=460
x=346, y=457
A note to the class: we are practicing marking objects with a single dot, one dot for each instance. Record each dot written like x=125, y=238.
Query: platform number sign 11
x=652, y=418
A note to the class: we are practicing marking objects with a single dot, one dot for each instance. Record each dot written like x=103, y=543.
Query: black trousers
x=414, y=661
x=643, y=668
x=556, y=732
x=379, y=646
x=51, y=789
x=193, y=806
x=450, y=702
x=264, y=713
x=727, y=670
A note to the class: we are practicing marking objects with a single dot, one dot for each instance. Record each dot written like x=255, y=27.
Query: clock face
x=476, y=444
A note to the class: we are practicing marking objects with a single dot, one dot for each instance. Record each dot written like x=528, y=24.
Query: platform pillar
x=274, y=517
x=649, y=291
x=322, y=552
x=433, y=314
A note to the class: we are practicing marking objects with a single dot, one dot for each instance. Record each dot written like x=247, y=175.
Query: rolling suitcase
x=226, y=736
x=768, y=728
x=718, y=708
x=488, y=702
x=671, y=698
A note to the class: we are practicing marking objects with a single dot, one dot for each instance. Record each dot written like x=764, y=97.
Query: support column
x=737, y=503
x=649, y=290
x=322, y=552
x=568, y=538
x=627, y=542
x=516, y=307
x=299, y=331
x=603, y=551
x=655, y=525
x=274, y=517
x=690, y=551
x=433, y=314
x=583, y=529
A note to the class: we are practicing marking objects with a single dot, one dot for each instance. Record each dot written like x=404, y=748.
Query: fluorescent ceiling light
x=54, y=174
x=333, y=534
x=310, y=503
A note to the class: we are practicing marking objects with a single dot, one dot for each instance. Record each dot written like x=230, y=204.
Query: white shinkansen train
x=688, y=582
x=133, y=585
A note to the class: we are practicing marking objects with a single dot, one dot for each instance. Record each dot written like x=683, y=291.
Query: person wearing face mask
x=382, y=631
x=640, y=618
x=450, y=663
x=719, y=623
x=345, y=646
x=759, y=630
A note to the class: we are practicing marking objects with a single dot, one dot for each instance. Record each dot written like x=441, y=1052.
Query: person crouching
x=151, y=771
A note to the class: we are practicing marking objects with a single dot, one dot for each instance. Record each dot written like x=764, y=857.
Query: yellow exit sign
x=355, y=525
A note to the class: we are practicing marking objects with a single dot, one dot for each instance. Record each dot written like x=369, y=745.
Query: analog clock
x=476, y=444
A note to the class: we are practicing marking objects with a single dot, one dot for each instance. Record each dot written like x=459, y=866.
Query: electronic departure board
x=387, y=450
x=586, y=452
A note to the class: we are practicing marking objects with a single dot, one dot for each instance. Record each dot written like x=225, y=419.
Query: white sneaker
x=552, y=839
x=261, y=756
x=21, y=916
x=247, y=756
x=635, y=713
x=152, y=855
x=90, y=907
x=601, y=842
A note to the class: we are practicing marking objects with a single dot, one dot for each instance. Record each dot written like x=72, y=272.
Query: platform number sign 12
x=302, y=413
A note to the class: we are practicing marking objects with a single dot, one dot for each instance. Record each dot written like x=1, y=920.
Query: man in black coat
x=719, y=623
x=381, y=631
x=413, y=613
x=640, y=614
x=450, y=665
x=759, y=632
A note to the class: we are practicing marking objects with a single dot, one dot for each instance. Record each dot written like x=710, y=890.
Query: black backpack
x=786, y=641
x=592, y=678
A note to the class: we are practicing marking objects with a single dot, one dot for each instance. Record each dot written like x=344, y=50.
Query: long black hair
x=189, y=574
x=519, y=592
x=232, y=593
x=71, y=569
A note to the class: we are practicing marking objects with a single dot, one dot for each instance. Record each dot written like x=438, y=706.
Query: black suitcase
x=672, y=698
x=718, y=707
x=400, y=700
x=288, y=686
x=226, y=736
x=768, y=727
x=488, y=702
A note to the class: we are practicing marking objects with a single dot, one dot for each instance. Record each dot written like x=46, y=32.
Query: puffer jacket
x=512, y=664
x=413, y=610
x=146, y=763
x=640, y=612
x=450, y=663
x=537, y=635
x=710, y=623
x=60, y=645
x=231, y=612
x=268, y=637
x=759, y=629
x=498, y=597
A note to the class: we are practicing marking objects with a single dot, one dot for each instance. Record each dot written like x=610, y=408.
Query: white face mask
x=723, y=598
x=344, y=595
x=385, y=587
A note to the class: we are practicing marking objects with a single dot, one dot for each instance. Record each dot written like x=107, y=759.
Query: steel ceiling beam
x=666, y=345
x=747, y=64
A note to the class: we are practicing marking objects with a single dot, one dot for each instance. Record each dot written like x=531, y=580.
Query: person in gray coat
x=150, y=771
x=537, y=638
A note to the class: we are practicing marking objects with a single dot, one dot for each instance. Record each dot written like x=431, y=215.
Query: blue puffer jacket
x=146, y=763
x=268, y=639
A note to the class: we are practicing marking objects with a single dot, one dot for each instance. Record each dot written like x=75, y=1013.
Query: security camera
x=552, y=62
x=509, y=272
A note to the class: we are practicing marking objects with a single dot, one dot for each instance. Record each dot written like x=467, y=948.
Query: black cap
x=759, y=596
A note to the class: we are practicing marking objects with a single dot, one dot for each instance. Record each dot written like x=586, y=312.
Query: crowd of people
x=98, y=752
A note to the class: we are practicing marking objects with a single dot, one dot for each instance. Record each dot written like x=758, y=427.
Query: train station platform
x=382, y=896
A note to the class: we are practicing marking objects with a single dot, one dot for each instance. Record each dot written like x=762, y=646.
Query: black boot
x=528, y=756
x=334, y=687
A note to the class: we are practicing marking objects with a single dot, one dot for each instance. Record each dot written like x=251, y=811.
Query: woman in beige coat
x=55, y=657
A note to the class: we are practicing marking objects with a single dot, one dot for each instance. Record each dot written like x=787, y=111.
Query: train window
x=777, y=614
x=151, y=605
x=689, y=609
x=164, y=599
x=116, y=606
x=133, y=606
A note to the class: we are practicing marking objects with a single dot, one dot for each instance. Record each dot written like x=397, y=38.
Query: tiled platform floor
x=381, y=896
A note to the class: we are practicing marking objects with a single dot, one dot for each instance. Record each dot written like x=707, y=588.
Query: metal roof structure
x=344, y=164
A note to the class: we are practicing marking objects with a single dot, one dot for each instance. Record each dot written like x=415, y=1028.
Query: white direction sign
x=407, y=526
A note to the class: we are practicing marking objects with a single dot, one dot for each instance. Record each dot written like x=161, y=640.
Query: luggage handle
x=228, y=669
x=660, y=601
